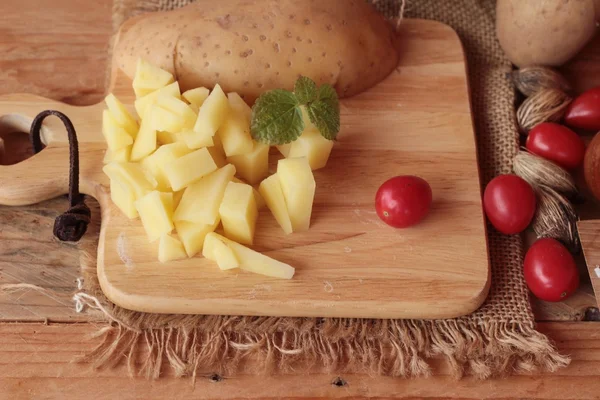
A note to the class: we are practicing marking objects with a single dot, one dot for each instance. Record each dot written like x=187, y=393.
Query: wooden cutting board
x=350, y=264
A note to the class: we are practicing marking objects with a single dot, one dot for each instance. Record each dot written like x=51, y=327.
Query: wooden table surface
x=58, y=49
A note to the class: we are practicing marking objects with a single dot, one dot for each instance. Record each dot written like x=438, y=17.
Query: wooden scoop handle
x=46, y=174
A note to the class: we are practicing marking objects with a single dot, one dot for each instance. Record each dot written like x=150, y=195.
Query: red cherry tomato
x=509, y=203
x=584, y=111
x=403, y=201
x=550, y=270
x=556, y=143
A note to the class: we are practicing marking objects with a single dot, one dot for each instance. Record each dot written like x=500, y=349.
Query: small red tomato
x=584, y=111
x=403, y=201
x=509, y=203
x=556, y=143
x=550, y=270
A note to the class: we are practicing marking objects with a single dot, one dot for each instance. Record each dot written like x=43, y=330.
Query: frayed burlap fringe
x=388, y=347
x=499, y=338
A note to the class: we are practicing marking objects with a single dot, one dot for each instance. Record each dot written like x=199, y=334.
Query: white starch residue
x=122, y=251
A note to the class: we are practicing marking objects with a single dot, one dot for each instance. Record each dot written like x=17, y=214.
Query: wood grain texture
x=589, y=233
x=336, y=273
x=80, y=31
x=56, y=49
x=37, y=364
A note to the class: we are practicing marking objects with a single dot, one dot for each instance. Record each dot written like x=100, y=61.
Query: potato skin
x=250, y=46
x=544, y=32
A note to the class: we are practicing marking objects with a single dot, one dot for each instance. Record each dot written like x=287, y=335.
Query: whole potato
x=250, y=46
x=544, y=32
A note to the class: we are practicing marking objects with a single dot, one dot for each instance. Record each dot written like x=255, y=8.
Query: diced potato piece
x=121, y=155
x=258, y=263
x=284, y=149
x=211, y=241
x=298, y=187
x=201, y=200
x=156, y=212
x=179, y=108
x=212, y=114
x=116, y=136
x=165, y=137
x=143, y=103
x=189, y=168
x=192, y=235
x=309, y=132
x=235, y=133
x=177, y=198
x=170, y=249
x=133, y=175
x=123, y=197
x=226, y=258
x=252, y=167
x=260, y=202
x=238, y=212
x=217, y=153
x=145, y=142
x=162, y=119
x=312, y=145
x=156, y=162
x=149, y=78
x=239, y=105
x=217, y=251
x=196, y=97
x=271, y=191
x=121, y=115
x=197, y=140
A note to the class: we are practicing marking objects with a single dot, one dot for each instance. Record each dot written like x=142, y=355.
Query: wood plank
x=36, y=362
x=30, y=254
x=57, y=48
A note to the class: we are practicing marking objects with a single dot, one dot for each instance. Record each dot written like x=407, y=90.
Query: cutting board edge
x=351, y=309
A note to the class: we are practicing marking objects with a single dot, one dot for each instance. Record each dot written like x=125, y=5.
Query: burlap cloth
x=498, y=338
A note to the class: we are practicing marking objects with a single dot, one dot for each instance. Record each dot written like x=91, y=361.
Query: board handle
x=46, y=175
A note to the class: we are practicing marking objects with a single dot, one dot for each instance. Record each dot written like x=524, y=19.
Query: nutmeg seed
x=530, y=80
x=555, y=217
x=538, y=171
x=547, y=105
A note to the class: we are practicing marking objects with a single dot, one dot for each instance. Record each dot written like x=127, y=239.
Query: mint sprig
x=305, y=90
x=277, y=117
x=324, y=112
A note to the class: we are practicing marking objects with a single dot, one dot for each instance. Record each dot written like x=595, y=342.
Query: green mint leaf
x=324, y=112
x=305, y=90
x=276, y=118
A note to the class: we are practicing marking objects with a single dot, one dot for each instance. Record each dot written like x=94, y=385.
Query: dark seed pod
x=530, y=80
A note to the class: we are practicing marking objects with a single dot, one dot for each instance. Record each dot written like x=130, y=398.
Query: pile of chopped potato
x=186, y=166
